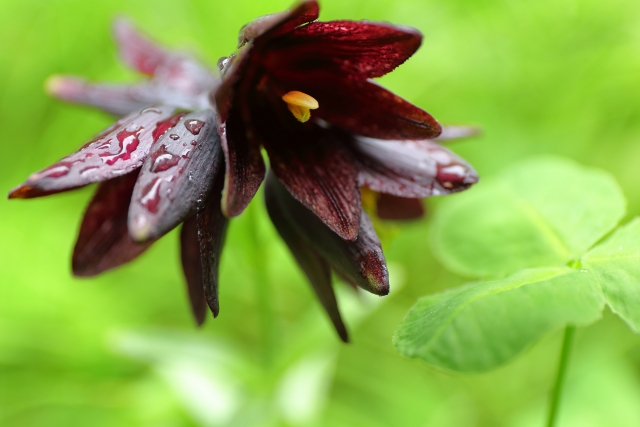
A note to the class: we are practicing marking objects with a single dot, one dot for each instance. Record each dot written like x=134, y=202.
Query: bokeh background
x=539, y=76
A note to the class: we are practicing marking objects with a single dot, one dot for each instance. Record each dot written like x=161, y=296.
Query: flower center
x=299, y=104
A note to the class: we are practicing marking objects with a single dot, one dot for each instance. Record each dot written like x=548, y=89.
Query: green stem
x=556, y=392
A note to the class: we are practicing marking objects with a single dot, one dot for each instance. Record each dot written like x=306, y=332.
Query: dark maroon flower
x=300, y=89
x=158, y=166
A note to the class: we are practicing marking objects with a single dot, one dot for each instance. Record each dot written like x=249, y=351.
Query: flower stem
x=556, y=392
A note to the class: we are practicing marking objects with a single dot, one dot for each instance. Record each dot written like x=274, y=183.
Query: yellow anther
x=299, y=104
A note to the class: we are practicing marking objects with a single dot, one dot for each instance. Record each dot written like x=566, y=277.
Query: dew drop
x=194, y=126
x=174, y=137
x=163, y=160
x=151, y=110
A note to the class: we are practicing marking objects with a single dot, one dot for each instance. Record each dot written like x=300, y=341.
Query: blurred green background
x=539, y=76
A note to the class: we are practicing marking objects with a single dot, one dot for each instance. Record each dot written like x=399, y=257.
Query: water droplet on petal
x=174, y=137
x=194, y=126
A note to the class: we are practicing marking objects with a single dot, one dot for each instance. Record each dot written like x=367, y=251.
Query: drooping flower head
x=299, y=89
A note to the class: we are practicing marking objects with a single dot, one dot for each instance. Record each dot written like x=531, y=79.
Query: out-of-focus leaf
x=616, y=265
x=483, y=325
x=541, y=212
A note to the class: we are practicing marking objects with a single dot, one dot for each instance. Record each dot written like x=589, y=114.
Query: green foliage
x=543, y=212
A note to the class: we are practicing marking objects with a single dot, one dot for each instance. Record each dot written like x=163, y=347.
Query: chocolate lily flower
x=302, y=90
x=158, y=166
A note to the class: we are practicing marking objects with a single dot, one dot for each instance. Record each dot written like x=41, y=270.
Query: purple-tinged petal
x=244, y=166
x=314, y=266
x=320, y=172
x=176, y=176
x=412, y=169
x=360, y=261
x=103, y=241
x=137, y=50
x=119, y=150
x=276, y=24
x=115, y=99
x=212, y=228
x=359, y=106
x=357, y=49
x=180, y=72
x=398, y=208
x=121, y=99
x=192, y=268
x=457, y=132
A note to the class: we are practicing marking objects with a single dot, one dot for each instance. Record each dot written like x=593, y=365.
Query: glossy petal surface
x=360, y=106
x=411, y=168
x=119, y=150
x=176, y=176
x=359, y=49
x=212, y=228
x=319, y=171
x=313, y=265
x=192, y=268
x=103, y=241
x=360, y=261
x=244, y=166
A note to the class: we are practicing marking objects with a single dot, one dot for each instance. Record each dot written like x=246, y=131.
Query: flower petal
x=358, y=49
x=177, y=71
x=273, y=25
x=212, y=228
x=398, y=208
x=103, y=242
x=360, y=106
x=413, y=169
x=137, y=50
x=360, y=261
x=176, y=177
x=320, y=172
x=115, y=99
x=244, y=165
x=119, y=150
x=314, y=266
x=192, y=268
x=202, y=239
x=120, y=99
x=457, y=132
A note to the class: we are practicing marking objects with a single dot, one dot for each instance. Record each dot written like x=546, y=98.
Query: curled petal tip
x=140, y=229
x=54, y=84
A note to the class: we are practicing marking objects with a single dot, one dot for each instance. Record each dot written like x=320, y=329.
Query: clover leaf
x=529, y=232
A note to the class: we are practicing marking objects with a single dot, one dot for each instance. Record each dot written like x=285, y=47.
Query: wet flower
x=188, y=150
x=158, y=166
x=302, y=90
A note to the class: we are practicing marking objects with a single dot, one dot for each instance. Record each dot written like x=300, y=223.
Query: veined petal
x=313, y=265
x=202, y=239
x=319, y=171
x=121, y=149
x=360, y=261
x=412, y=169
x=359, y=49
x=398, y=208
x=360, y=106
x=103, y=241
x=176, y=177
x=244, y=165
x=192, y=268
x=212, y=228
